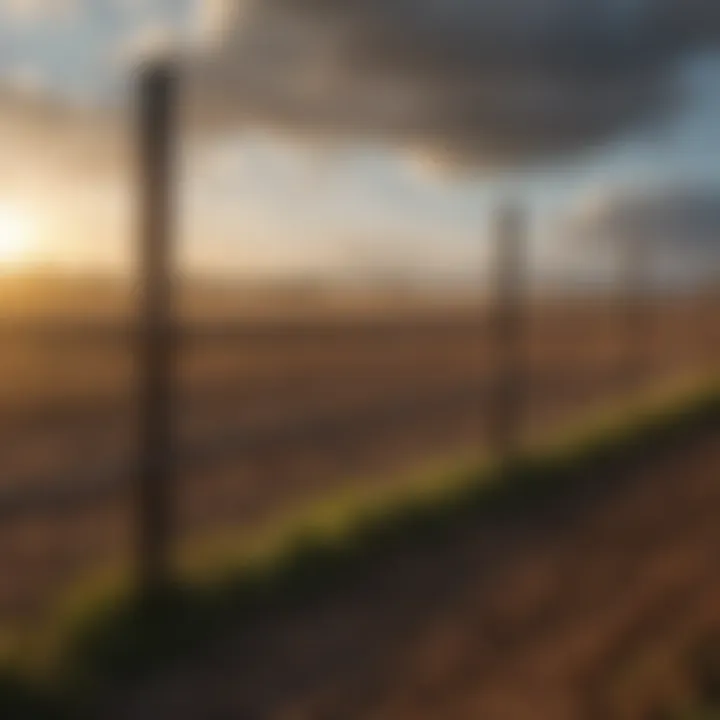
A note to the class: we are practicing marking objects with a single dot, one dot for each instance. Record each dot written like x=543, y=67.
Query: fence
x=237, y=420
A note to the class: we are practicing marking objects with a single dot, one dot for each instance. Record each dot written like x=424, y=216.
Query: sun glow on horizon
x=17, y=237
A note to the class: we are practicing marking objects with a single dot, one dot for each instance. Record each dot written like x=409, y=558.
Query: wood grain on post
x=156, y=347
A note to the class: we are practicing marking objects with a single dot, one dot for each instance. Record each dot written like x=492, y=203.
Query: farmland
x=586, y=605
x=275, y=409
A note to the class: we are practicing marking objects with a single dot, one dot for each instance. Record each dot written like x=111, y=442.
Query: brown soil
x=581, y=607
x=273, y=414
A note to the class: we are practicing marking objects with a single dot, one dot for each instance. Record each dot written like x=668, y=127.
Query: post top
x=158, y=71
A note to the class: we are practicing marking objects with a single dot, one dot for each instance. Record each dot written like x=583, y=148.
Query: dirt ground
x=273, y=413
x=581, y=607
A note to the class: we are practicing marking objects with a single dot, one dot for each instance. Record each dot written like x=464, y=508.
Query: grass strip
x=105, y=637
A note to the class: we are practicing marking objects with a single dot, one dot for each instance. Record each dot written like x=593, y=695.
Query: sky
x=343, y=137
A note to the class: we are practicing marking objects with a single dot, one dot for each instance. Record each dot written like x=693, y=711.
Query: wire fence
x=123, y=440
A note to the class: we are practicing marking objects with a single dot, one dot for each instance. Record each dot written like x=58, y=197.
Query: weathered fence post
x=636, y=340
x=156, y=346
x=508, y=327
x=709, y=310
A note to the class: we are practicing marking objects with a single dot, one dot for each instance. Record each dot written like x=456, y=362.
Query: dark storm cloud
x=686, y=219
x=679, y=227
x=475, y=81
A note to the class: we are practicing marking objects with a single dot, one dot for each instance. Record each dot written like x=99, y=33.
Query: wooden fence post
x=636, y=338
x=156, y=338
x=508, y=327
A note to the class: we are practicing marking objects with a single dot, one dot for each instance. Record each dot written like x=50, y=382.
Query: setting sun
x=16, y=236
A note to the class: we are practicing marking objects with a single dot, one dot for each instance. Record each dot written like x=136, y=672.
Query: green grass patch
x=105, y=636
x=700, y=714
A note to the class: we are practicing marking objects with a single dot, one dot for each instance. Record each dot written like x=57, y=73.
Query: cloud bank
x=686, y=219
x=474, y=81
x=679, y=226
